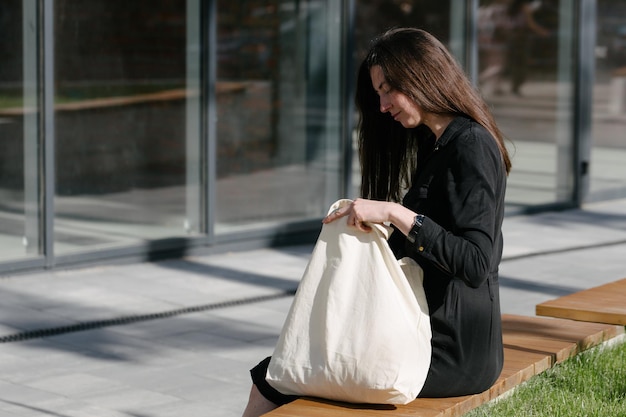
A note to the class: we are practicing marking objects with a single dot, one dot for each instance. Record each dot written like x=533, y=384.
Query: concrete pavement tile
x=16, y=394
x=130, y=400
x=7, y=329
x=10, y=408
x=97, y=303
x=19, y=319
x=283, y=263
x=25, y=370
x=186, y=409
x=197, y=342
x=220, y=335
x=242, y=271
x=10, y=363
x=280, y=305
x=9, y=413
x=221, y=348
x=192, y=392
x=176, y=331
x=76, y=385
x=139, y=270
x=579, y=269
x=592, y=266
x=178, y=296
x=108, y=345
x=258, y=313
x=127, y=372
x=159, y=379
x=63, y=407
x=251, y=353
x=77, y=409
x=241, y=330
x=43, y=349
x=525, y=282
x=548, y=231
x=195, y=276
x=176, y=289
x=208, y=365
x=230, y=396
x=16, y=294
x=239, y=375
x=225, y=411
x=159, y=329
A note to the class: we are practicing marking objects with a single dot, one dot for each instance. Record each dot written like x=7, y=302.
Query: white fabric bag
x=358, y=329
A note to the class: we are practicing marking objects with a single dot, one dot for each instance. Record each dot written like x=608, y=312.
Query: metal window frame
x=209, y=117
x=583, y=97
x=348, y=90
x=48, y=129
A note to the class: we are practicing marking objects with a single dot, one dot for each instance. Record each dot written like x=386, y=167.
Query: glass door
x=278, y=100
x=526, y=71
x=20, y=219
x=608, y=152
x=127, y=123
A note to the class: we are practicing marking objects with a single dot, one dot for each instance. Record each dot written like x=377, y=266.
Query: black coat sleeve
x=461, y=193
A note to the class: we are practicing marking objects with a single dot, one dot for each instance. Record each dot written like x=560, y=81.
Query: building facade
x=140, y=129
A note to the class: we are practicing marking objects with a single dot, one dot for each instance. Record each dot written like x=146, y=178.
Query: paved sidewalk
x=177, y=337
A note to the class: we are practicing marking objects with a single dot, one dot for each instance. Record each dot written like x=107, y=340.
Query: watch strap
x=418, y=221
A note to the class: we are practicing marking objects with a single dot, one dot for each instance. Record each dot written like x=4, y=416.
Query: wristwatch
x=415, y=228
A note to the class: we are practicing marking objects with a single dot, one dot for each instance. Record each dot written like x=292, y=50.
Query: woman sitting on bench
x=424, y=127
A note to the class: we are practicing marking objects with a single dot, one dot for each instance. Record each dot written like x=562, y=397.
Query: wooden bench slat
x=532, y=345
x=307, y=407
x=602, y=304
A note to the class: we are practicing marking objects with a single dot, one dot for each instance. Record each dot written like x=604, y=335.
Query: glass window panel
x=608, y=170
x=375, y=16
x=278, y=97
x=19, y=134
x=526, y=73
x=127, y=122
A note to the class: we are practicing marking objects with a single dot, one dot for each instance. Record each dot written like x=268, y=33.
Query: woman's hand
x=360, y=213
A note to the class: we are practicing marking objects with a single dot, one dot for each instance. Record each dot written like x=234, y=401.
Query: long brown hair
x=416, y=64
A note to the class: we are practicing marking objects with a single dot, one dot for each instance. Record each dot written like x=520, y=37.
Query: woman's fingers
x=335, y=214
x=353, y=218
x=355, y=221
x=362, y=226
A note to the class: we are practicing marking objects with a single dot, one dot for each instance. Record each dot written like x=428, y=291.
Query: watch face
x=419, y=219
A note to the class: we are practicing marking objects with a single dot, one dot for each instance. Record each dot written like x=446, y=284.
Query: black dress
x=459, y=186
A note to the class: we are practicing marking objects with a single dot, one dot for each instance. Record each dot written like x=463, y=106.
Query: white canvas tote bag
x=358, y=329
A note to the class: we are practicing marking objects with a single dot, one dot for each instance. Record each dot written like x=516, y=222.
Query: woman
x=424, y=127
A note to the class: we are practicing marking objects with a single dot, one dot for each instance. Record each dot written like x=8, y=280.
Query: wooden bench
x=603, y=304
x=223, y=87
x=531, y=345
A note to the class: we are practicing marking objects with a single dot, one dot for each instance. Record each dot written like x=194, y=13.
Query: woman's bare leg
x=257, y=404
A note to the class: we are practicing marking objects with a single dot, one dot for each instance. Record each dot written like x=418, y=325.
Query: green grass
x=591, y=384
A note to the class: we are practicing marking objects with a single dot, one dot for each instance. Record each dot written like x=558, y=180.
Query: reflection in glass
x=526, y=73
x=373, y=17
x=19, y=137
x=126, y=104
x=278, y=97
x=608, y=170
